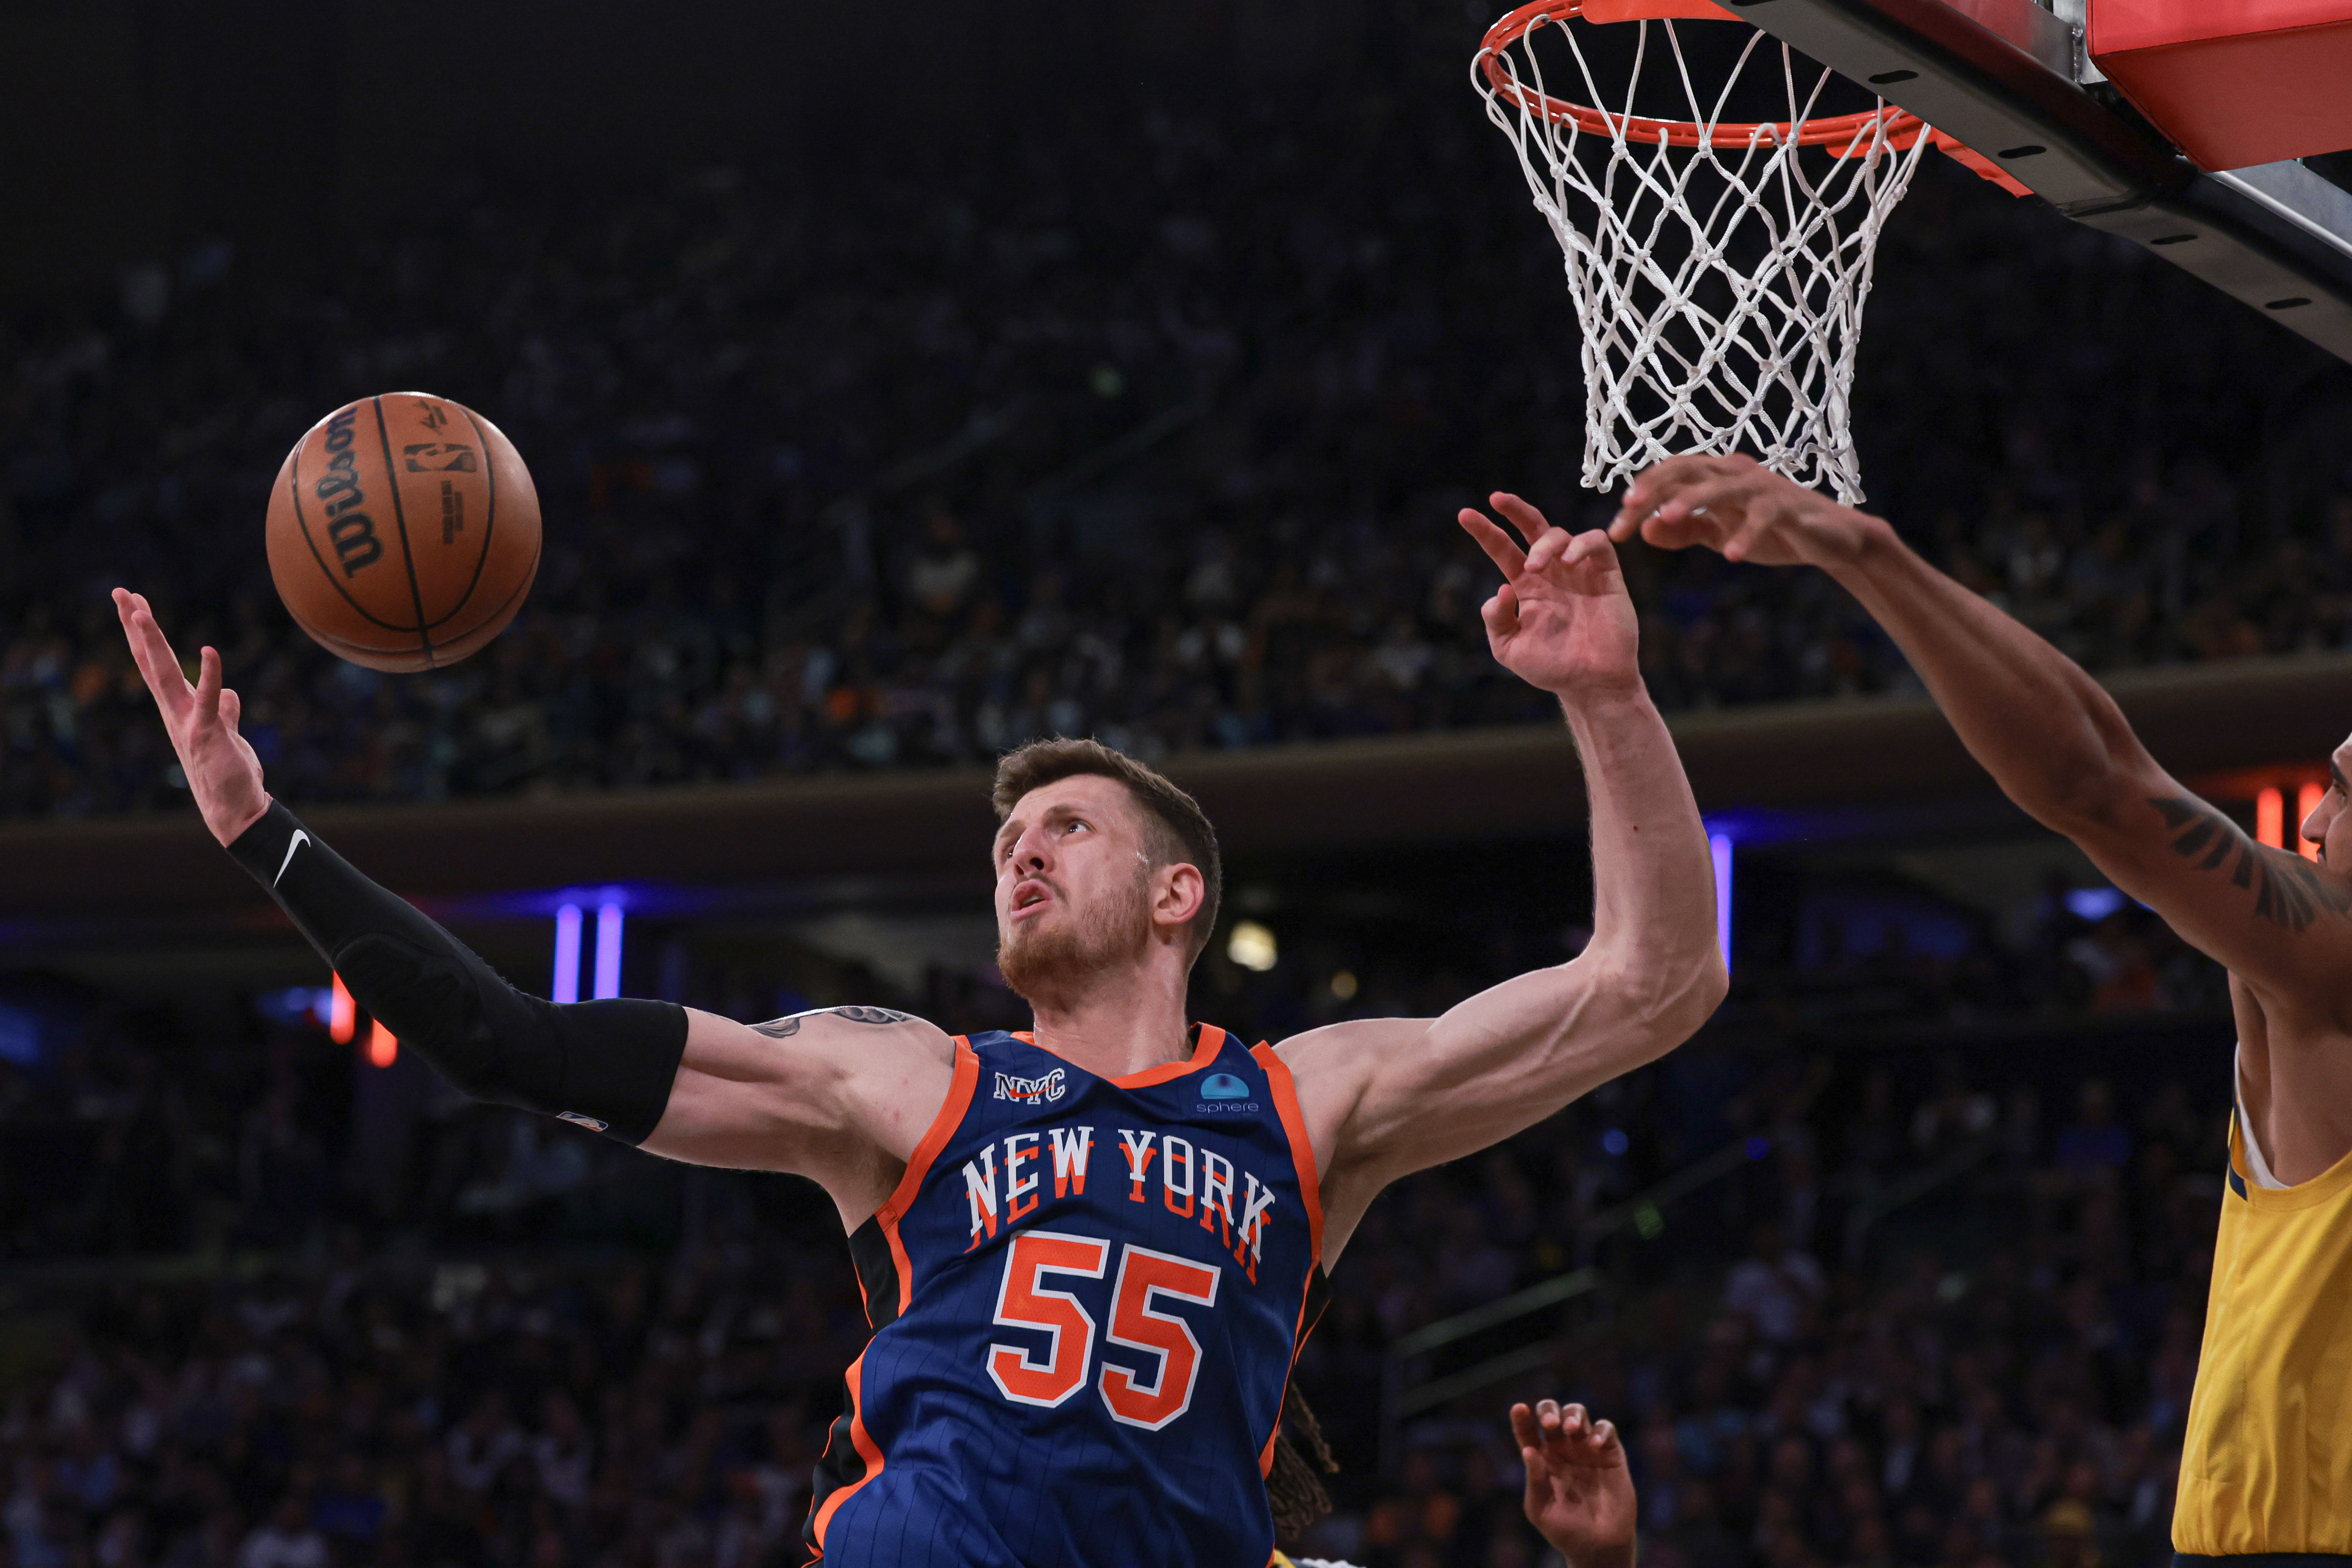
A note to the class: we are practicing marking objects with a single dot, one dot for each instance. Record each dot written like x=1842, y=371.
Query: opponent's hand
x=1738, y=507
x=1579, y=1493
x=1561, y=620
x=223, y=773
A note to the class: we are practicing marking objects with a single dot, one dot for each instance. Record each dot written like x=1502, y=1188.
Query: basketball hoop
x=1719, y=274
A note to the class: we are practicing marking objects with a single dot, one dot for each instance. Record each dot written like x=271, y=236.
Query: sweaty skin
x=2059, y=747
x=844, y=1095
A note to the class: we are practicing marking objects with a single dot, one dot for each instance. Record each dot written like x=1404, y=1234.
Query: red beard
x=1054, y=966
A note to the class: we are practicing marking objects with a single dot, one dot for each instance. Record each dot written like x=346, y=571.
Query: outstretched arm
x=1384, y=1097
x=842, y=1095
x=2052, y=737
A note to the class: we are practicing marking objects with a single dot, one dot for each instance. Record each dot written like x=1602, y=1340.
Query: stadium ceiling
x=891, y=831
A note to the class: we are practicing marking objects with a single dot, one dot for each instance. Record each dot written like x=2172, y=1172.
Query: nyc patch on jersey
x=1087, y=1295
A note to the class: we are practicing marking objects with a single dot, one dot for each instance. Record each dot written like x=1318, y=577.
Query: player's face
x=1072, y=883
x=2329, y=825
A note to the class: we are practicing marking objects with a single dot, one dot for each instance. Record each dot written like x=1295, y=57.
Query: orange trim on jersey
x=919, y=1164
x=1302, y=1150
x=1213, y=1041
x=1298, y=1343
x=1310, y=1193
x=867, y=1449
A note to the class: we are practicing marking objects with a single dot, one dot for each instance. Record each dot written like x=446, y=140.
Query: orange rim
x=1840, y=132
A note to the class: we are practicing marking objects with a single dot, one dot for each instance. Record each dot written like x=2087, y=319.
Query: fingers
x=1550, y=1434
x=1550, y=548
x=1590, y=551
x=1547, y=544
x=1581, y=1440
x=1523, y=517
x=1708, y=495
x=1493, y=542
x=232, y=708
x=1523, y=1427
x=208, y=685
x=1670, y=492
x=1573, y=1426
x=1501, y=612
x=1530, y=1438
x=1736, y=547
x=152, y=651
x=1654, y=484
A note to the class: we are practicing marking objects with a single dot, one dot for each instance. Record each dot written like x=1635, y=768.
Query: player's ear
x=1177, y=893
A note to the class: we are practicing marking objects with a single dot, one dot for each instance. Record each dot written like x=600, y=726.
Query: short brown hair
x=1173, y=820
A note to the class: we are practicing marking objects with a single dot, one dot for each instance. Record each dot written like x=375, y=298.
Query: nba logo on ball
x=1221, y=1092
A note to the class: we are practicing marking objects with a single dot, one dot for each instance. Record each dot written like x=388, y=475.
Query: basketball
x=403, y=532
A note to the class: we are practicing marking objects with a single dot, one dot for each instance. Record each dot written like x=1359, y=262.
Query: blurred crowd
x=1995, y=1375
x=1153, y=430
x=1863, y=1296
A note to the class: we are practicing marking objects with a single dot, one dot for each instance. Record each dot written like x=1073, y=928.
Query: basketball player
x=2266, y=1463
x=1089, y=1251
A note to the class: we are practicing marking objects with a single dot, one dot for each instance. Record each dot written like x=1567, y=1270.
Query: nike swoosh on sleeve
x=299, y=840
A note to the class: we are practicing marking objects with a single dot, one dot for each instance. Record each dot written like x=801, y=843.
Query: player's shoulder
x=1349, y=1039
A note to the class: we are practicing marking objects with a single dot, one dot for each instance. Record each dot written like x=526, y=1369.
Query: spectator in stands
x=1775, y=1287
x=289, y=1540
x=2095, y=1142
x=2019, y=1393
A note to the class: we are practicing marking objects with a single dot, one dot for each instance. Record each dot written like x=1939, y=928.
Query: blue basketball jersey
x=1087, y=1295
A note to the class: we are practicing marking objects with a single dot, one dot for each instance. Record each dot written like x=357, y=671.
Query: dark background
x=1902, y=1260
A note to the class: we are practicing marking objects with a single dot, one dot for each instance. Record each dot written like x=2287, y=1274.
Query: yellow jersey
x=2266, y=1464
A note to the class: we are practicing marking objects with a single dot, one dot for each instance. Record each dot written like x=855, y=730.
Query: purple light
x=567, y=954
x=1719, y=846
x=608, y=950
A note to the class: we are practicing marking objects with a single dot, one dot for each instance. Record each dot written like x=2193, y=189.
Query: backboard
x=2013, y=81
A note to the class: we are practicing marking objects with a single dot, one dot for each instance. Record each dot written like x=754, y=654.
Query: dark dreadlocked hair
x=1293, y=1489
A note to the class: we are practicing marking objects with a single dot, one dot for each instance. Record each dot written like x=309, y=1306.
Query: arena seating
x=523, y=1343
x=845, y=476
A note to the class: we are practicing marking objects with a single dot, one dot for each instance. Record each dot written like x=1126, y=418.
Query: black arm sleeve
x=607, y=1066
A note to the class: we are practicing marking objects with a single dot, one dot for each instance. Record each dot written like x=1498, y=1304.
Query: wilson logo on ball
x=353, y=530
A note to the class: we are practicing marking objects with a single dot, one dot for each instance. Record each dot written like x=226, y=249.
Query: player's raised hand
x=1736, y=506
x=223, y=773
x=1579, y=1493
x=1561, y=620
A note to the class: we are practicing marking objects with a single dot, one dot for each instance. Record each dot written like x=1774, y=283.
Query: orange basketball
x=403, y=532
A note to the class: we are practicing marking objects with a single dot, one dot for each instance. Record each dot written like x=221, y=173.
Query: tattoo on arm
x=781, y=1028
x=2288, y=890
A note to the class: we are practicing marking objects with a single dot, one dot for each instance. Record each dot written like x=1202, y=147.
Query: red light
x=2270, y=811
x=344, y=1019
x=383, y=1048
x=2306, y=801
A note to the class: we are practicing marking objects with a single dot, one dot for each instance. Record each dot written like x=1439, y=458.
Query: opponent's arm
x=1384, y=1097
x=2052, y=737
x=789, y=1096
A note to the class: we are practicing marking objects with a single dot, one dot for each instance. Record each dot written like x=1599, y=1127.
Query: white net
x=1718, y=269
